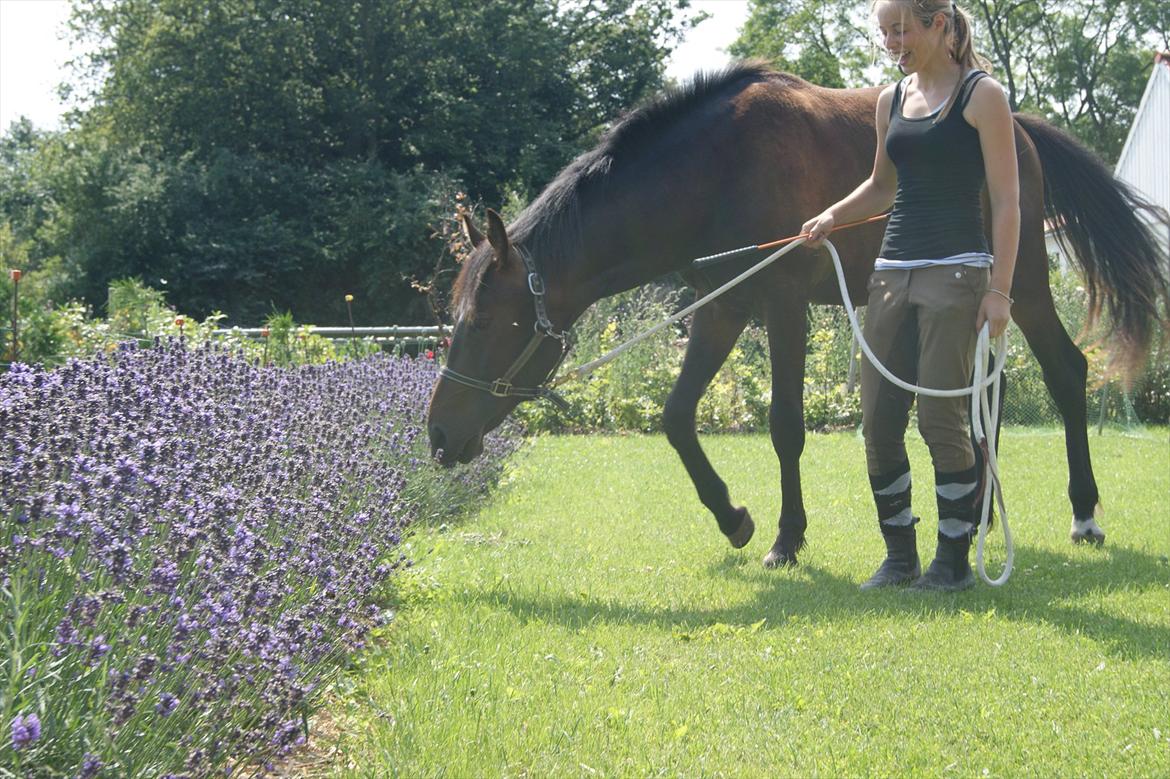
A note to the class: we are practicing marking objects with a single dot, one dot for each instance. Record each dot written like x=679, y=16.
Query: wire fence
x=834, y=372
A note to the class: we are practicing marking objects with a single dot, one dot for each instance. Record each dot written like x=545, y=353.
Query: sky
x=32, y=60
x=33, y=53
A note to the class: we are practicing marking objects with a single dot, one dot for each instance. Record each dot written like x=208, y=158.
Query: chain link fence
x=834, y=365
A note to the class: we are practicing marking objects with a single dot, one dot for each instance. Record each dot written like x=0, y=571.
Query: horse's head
x=501, y=351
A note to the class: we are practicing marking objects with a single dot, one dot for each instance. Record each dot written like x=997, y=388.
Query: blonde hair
x=958, y=29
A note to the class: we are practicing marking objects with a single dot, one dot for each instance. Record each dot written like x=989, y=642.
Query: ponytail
x=962, y=46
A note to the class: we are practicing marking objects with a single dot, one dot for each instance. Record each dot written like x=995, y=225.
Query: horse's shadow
x=811, y=593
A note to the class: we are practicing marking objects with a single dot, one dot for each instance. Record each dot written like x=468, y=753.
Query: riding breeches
x=921, y=324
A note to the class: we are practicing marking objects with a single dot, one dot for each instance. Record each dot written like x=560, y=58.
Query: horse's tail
x=1098, y=218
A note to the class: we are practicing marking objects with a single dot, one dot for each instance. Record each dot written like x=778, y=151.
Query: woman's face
x=906, y=40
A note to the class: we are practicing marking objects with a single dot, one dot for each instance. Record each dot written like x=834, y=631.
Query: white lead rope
x=984, y=413
x=582, y=371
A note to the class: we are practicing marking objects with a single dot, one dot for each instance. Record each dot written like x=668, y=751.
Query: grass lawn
x=591, y=620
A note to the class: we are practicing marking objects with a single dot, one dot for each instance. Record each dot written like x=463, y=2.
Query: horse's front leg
x=787, y=331
x=713, y=334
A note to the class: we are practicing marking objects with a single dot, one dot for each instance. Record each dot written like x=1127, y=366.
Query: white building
x=1144, y=163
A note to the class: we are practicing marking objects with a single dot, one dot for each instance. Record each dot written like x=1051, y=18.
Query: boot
x=957, y=493
x=891, y=495
x=949, y=571
x=901, y=565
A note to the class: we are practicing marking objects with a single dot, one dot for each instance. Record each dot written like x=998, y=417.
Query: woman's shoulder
x=887, y=95
x=983, y=80
x=988, y=101
x=986, y=91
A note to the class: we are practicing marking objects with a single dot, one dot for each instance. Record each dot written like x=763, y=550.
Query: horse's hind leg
x=714, y=332
x=1065, y=371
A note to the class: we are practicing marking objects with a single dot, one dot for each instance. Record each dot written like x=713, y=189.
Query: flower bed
x=193, y=543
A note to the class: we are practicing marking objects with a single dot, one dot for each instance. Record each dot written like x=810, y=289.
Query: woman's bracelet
x=1002, y=294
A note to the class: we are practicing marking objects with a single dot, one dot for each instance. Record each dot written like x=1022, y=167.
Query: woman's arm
x=989, y=113
x=872, y=196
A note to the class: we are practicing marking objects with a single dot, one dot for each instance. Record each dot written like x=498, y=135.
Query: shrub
x=192, y=544
x=629, y=393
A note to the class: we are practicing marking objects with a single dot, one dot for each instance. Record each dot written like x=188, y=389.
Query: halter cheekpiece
x=542, y=329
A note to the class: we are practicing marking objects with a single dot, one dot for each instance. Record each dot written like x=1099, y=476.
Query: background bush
x=629, y=393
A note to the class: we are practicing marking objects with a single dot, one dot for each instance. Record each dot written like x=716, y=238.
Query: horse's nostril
x=438, y=439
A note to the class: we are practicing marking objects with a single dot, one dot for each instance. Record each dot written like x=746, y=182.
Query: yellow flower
x=349, y=298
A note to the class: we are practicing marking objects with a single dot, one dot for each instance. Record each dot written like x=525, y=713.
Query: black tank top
x=937, y=211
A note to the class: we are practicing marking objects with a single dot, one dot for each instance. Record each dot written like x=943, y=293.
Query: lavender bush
x=191, y=546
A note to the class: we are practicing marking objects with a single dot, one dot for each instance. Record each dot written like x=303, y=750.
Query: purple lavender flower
x=25, y=730
x=215, y=529
x=90, y=766
x=166, y=705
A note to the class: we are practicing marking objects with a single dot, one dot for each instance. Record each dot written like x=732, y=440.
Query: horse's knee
x=678, y=421
x=787, y=433
x=786, y=417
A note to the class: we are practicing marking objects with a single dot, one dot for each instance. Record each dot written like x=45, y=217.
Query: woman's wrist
x=1001, y=293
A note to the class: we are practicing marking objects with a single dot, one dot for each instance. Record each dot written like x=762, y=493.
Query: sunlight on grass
x=592, y=620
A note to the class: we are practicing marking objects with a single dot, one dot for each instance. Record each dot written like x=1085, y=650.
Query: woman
x=943, y=131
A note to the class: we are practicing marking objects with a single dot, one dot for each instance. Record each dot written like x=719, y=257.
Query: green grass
x=591, y=620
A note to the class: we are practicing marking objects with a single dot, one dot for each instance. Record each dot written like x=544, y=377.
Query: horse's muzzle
x=448, y=452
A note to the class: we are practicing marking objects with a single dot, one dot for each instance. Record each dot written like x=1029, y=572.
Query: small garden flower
x=25, y=730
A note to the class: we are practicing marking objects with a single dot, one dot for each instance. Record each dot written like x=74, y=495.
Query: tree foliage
x=827, y=43
x=1081, y=63
x=251, y=154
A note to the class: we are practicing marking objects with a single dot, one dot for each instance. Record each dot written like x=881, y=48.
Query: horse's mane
x=550, y=226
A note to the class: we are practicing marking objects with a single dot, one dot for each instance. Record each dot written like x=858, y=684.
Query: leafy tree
x=277, y=154
x=1081, y=63
x=827, y=43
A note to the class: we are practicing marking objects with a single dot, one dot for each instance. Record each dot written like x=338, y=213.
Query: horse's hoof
x=744, y=532
x=1086, y=531
x=789, y=541
x=779, y=556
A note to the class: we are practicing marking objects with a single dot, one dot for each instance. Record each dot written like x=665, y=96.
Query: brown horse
x=739, y=157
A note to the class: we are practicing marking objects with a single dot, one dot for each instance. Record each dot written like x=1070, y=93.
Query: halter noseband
x=542, y=329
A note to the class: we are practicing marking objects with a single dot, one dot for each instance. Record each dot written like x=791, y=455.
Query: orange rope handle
x=792, y=238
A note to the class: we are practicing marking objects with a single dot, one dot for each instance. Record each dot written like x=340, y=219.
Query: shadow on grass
x=811, y=593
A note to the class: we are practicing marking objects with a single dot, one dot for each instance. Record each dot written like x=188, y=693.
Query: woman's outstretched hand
x=818, y=228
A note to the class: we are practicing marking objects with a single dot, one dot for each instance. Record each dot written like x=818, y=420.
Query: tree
x=281, y=153
x=823, y=42
x=1081, y=63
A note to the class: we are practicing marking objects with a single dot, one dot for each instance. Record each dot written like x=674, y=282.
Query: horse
x=738, y=156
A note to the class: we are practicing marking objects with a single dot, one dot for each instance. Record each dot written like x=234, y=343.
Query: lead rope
x=984, y=414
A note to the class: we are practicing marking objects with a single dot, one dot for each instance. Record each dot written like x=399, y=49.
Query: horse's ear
x=498, y=236
x=470, y=231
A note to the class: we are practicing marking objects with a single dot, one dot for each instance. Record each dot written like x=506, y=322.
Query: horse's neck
x=628, y=250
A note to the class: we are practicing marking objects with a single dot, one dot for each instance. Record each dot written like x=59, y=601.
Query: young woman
x=943, y=132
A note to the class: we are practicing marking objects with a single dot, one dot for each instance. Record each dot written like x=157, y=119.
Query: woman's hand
x=818, y=228
x=996, y=310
